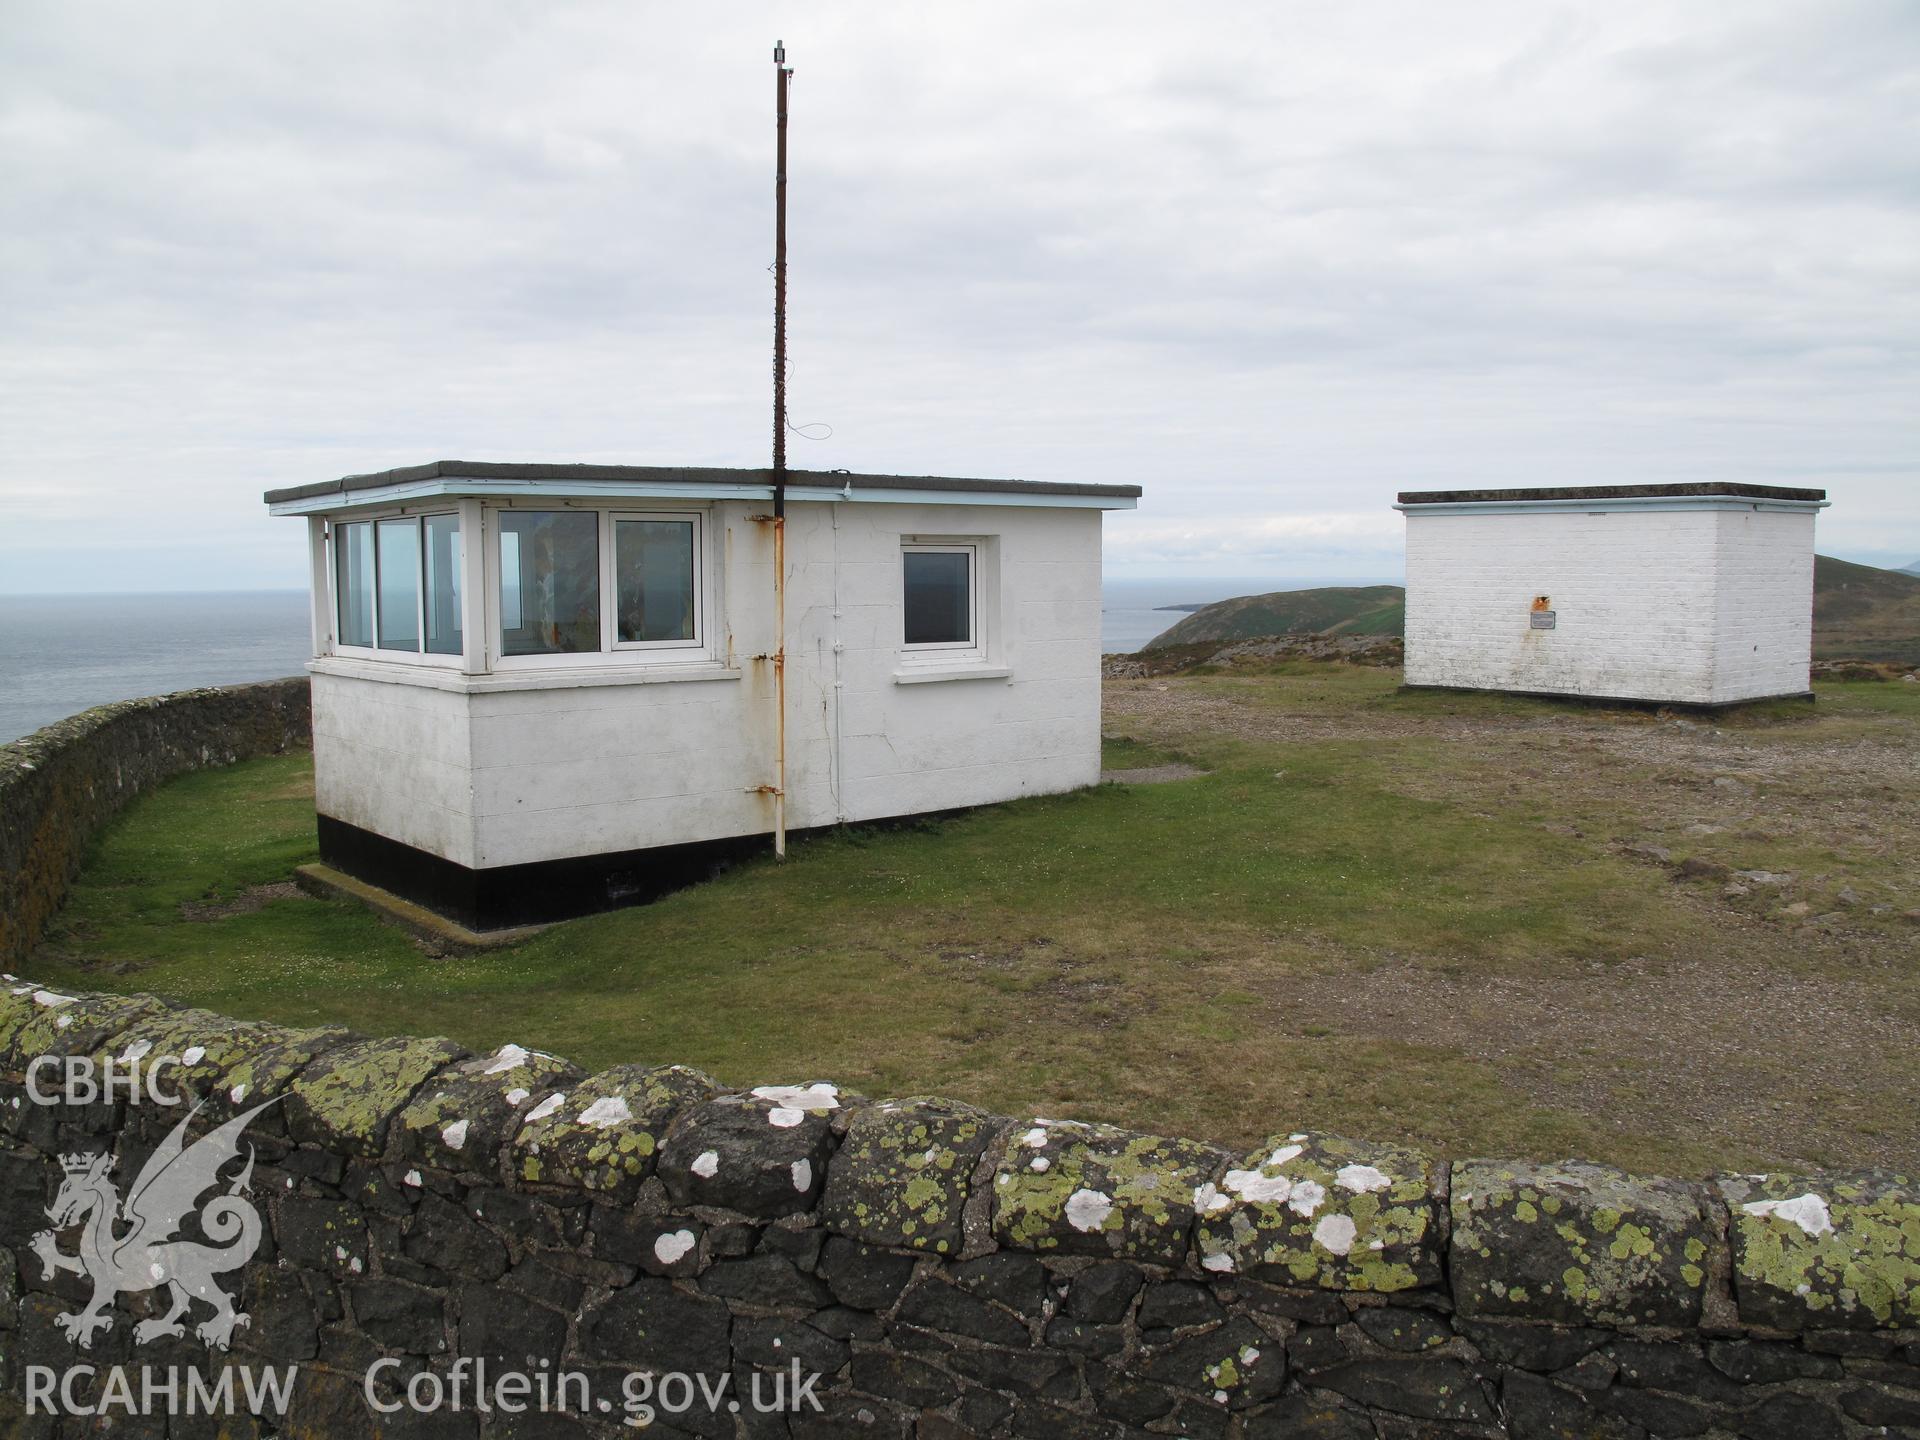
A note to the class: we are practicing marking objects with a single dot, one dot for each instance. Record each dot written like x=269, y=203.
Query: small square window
x=939, y=595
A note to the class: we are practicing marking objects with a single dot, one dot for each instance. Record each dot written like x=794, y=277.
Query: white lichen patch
x=135, y=1051
x=1040, y=1164
x=1258, y=1189
x=63, y=1022
x=455, y=1135
x=607, y=1112
x=517, y=1097
x=1807, y=1211
x=785, y=1117
x=1334, y=1234
x=706, y=1164
x=1221, y=1263
x=1087, y=1210
x=412, y=1177
x=507, y=1057
x=546, y=1107
x=670, y=1247
x=238, y=1092
x=51, y=999
x=1207, y=1199
x=1307, y=1197
x=817, y=1097
x=1362, y=1179
x=1285, y=1153
x=802, y=1175
x=193, y=1055
x=1034, y=1138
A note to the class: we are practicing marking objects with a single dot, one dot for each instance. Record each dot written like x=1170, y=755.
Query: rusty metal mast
x=781, y=76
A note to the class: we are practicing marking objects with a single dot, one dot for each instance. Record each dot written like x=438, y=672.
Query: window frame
x=612, y=654
x=420, y=655
x=610, y=582
x=946, y=650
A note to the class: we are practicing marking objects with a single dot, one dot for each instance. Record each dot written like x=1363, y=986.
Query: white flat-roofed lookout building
x=1682, y=594
x=543, y=689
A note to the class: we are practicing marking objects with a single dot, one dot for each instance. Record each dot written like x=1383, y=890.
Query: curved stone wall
x=59, y=785
x=423, y=1213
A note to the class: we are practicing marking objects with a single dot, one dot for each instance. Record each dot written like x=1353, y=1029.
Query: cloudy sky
x=1272, y=262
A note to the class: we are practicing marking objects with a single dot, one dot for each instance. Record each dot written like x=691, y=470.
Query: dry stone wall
x=944, y=1272
x=59, y=785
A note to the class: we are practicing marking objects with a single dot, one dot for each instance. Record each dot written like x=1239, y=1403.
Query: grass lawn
x=1405, y=917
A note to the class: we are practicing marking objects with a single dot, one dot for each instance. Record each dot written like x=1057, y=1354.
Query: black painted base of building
x=512, y=895
x=508, y=896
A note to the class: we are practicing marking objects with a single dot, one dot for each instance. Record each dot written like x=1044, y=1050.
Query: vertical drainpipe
x=781, y=75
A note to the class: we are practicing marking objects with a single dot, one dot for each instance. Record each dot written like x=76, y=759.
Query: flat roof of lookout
x=1697, y=494
x=516, y=480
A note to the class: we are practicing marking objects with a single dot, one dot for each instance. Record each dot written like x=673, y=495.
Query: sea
x=61, y=654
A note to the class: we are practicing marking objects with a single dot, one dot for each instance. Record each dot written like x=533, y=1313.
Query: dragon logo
x=135, y=1245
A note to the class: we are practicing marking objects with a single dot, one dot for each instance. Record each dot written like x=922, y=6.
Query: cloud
x=1272, y=263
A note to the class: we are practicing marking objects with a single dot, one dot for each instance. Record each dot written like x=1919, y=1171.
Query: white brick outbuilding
x=535, y=687
x=1687, y=594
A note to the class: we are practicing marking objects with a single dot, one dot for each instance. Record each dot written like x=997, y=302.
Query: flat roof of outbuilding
x=1732, y=489
x=487, y=477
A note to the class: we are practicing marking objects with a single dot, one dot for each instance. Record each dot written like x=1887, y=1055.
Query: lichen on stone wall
x=347, y=1096
x=1579, y=1243
x=642, y=1219
x=1811, y=1251
x=604, y=1135
x=1323, y=1210
x=763, y=1153
x=1079, y=1188
x=903, y=1174
x=460, y=1119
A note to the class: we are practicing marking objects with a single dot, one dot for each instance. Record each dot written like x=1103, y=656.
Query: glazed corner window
x=549, y=582
x=397, y=580
x=656, y=580
x=939, y=595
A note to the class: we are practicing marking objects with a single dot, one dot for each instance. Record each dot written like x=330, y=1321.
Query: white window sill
x=573, y=677
x=929, y=674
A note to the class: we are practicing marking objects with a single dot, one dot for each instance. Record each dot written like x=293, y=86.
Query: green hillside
x=1336, y=610
x=1861, y=613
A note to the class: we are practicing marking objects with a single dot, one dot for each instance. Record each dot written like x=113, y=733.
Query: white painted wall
x=580, y=767
x=1764, y=639
x=1691, y=606
x=394, y=759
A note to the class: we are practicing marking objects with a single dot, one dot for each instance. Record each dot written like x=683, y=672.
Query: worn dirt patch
x=1151, y=775
x=246, y=902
